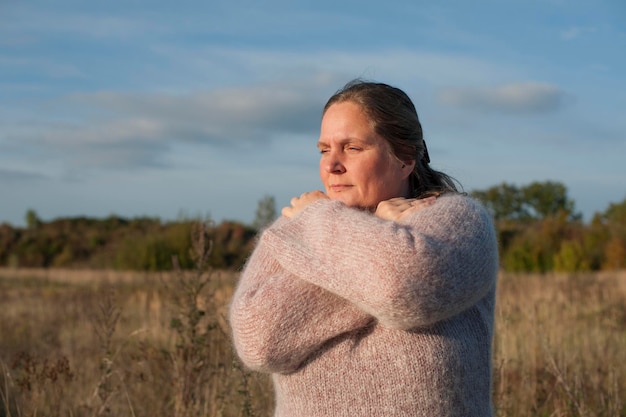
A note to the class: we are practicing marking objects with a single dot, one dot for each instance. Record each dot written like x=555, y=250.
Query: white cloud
x=137, y=130
x=219, y=116
x=523, y=97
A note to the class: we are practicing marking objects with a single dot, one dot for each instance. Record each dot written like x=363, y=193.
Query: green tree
x=534, y=201
x=265, y=212
x=534, y=247
x=614, y=220
x=533, y=221
x=503, y=200
x=571, y=257
x=32, y=220
x=548, y=198
x=615, y=216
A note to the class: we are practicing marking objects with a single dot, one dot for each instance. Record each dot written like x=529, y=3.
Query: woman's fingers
x=398, y=208
x=299, y=203
x=423, y=202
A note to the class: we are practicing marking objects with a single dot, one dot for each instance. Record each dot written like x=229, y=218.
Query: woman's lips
x=340, y=187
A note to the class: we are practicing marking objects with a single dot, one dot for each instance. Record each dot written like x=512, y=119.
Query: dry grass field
x=96, y=343
x=560, y=347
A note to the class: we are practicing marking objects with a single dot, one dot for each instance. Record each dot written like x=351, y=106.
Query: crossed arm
x=331, y=270
x=278, y=320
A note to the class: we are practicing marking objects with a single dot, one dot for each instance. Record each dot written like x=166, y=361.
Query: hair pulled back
x=394, y=118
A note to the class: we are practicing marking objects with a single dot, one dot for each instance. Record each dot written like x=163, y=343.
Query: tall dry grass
x=88, y=343
x=560, y=346
x=97, y=343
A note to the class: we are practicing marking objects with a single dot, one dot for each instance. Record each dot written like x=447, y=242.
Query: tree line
x=538, y=229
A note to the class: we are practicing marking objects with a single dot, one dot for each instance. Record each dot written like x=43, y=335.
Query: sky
x=202, y=108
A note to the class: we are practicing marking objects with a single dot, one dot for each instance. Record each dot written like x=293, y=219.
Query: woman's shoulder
x=462, y=202
x=456, y=208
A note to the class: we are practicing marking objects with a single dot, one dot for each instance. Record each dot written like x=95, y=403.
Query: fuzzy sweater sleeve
x=279, y=320
x=439, y=262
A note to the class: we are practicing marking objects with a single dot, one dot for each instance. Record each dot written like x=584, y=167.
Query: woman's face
x=357, y=166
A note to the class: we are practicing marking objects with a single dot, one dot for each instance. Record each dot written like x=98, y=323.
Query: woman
x=375, y=298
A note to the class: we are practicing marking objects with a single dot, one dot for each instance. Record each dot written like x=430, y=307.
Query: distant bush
x=144, y=244
x=538, y=231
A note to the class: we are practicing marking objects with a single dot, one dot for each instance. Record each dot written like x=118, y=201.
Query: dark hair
x=393, y=116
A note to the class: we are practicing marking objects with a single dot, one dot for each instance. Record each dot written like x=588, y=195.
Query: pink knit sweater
x=358, y=316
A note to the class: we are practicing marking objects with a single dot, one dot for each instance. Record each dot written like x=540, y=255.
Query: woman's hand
x=397, y=209
x=299, y=203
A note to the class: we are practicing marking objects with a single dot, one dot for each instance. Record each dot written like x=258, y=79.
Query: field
x=96, y=343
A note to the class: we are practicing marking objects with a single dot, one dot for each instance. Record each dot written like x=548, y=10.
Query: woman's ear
x=407, y=167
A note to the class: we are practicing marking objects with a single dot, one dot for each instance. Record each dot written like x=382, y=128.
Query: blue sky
x=196, y=108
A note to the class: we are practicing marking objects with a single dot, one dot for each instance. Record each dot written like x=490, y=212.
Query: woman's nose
x=333, y=165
